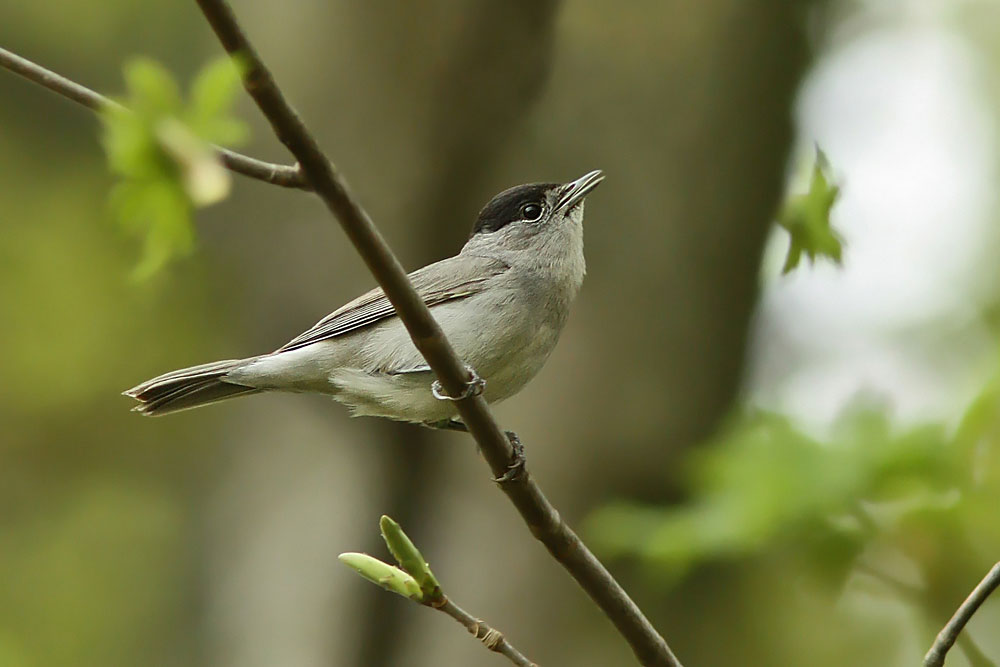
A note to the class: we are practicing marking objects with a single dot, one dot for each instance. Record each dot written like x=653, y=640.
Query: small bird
x=502, y=301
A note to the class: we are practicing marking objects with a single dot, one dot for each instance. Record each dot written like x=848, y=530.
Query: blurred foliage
x=866, y=498
x=765, y=480
x=159, y=147
x=806, y=218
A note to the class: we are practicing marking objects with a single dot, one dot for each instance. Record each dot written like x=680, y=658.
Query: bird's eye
x=531, y=212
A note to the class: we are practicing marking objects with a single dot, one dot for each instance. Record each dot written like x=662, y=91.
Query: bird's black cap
x=505, y=208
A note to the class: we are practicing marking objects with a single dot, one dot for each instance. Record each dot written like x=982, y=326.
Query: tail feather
x=188, y=388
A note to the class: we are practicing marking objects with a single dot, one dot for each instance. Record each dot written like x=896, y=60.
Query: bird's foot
x=474, y=387
x=515, y=469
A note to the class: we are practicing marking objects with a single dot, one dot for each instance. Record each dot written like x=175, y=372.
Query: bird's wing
x=453, y=278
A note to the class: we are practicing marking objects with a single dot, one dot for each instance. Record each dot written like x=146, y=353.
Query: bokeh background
x=783, y=470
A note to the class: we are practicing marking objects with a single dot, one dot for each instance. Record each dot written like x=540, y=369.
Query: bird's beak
x=574, y=192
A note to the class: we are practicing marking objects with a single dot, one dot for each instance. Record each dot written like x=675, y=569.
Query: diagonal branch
x=950, y=632
x=276, y=174
x=542, y=518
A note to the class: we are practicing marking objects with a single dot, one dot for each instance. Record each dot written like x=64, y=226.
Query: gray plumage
x=502, y=302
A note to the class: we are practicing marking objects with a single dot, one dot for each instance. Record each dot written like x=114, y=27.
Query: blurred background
x=782, y=469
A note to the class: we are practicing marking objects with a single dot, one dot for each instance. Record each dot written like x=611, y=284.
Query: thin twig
x=542, y=518
x=949, y=633
x=286, y=176
x=918, y=597
x=490, y=637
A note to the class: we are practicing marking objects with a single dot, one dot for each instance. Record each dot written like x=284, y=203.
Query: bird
x=502, y=301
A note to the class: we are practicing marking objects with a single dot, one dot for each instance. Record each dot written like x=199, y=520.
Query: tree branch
x=950, y=632
x=541, y=517
x=917, y=597
x=286, y=176
x=490, y=637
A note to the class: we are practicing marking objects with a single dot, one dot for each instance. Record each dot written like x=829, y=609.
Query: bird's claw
x=473, y=387
x=515, y=470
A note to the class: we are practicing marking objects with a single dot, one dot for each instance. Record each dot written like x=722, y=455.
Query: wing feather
x=454, y=278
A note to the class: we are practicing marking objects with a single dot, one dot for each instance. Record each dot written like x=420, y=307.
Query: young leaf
x=807, y=219
x=160, y=149
x=152, y=89
x=213, y=92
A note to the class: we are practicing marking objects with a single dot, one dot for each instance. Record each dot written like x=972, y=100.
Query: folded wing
x=453, y=278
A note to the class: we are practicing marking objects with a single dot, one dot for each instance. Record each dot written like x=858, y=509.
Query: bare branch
x=541, y=517
x=276, y=174
x=917, y=596
x=490, y=637
x=946, y=638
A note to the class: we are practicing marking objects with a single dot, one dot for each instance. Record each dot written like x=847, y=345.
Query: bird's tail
x=188, y=388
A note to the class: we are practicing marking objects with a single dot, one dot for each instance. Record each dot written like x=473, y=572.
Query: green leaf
x=213, y=92
x=158, y=212
x=151, y=88
x=807, y=219
x=224, y=131
x=130, y=148
x=409, y=558
x=387, y=576
x=160, y=149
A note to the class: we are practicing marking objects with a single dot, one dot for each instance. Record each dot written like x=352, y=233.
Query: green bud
x=409, y=557
x=387, y=576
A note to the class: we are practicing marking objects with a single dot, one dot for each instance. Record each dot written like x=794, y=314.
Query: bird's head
x=525, y=212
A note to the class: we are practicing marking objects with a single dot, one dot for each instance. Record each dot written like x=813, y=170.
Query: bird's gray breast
x=508, y=331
